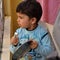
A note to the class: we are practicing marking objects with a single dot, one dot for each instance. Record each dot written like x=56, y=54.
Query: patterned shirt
x=41, y=35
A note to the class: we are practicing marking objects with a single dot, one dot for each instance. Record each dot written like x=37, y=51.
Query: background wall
x=7, y=9
x=14, y=24
x=10, y=10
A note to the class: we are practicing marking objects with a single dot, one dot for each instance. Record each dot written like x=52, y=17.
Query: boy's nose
x=18, y=20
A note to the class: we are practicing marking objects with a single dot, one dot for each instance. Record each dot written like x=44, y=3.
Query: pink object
x=50, y=10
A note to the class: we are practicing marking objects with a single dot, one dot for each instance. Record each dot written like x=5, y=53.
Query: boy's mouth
x=19, y=25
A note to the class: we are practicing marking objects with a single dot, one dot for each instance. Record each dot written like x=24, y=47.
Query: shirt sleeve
x=45, y=45
x=12, y=47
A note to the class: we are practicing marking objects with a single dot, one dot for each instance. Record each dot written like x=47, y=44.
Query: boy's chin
x=22, y=27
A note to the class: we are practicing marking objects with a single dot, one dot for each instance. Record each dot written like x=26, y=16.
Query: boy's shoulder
x=42, y=26
x=20, y=29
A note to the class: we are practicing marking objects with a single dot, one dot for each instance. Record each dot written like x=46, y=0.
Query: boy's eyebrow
x=20, y=16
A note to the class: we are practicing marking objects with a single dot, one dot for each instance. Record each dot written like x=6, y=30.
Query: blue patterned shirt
x=41, y=35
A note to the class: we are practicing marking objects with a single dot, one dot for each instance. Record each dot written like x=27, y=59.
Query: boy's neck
x=32, y=27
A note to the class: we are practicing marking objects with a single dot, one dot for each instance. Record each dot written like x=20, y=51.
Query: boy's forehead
x=21, y=14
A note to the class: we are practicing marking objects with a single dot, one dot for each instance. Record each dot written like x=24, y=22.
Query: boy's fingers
x=14, y=40
x=33, y=44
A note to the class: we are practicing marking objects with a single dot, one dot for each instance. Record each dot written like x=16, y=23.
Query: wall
x=13, y=15
x=10, y=10
x=7, y=10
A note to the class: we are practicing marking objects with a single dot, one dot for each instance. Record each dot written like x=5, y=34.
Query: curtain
x=50, y=10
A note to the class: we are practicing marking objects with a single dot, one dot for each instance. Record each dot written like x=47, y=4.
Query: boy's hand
x=14, y=40
x=33, y=44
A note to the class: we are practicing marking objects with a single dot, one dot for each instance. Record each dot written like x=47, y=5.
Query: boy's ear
x=33, y=20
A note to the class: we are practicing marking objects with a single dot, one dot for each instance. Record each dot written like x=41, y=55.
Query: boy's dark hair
x=31, y=8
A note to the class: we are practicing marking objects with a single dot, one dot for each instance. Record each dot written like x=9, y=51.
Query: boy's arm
x=14, y=43
x=45, y=46
x=33, y=44
x=14, y=40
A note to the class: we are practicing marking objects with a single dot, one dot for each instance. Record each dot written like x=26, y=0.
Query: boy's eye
x=20, y=17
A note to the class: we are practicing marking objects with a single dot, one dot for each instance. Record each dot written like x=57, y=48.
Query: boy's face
x=24, y=21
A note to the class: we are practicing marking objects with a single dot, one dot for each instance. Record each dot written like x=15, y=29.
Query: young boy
x=29, y=14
